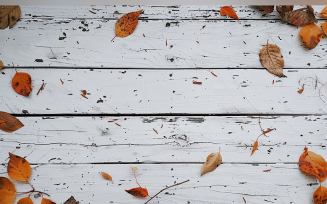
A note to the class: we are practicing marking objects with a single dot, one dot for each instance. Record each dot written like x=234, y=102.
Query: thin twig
x=165, y=189
x=32, y=191
x=41, y=88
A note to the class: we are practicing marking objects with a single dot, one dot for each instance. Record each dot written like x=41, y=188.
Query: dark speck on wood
x=38, y=60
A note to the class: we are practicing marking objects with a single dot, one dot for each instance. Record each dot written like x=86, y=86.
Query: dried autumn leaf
x=134, y=169
x=7, y=191
x=47, y=201
x=272, y=59
x=282, y=11
x=313, y=164
x=229, y=11
x=9, y=123
x=1, y=64
x=138, y=192
x=18, y=168
x=213, y=160
x=255, y=147
x=323, y=25
x=301, y=17
x=71, y=200
x=268, y=9
x=324, y=12
x=127, y=24
x=320, y=195
x=311, y=35
x=9, y=16
x=106, y=176
x=26, y=200
x=21, y=83
x=301, y=90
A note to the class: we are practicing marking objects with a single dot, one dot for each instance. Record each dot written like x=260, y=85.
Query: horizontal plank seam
x=146, y=163
x=138, y=68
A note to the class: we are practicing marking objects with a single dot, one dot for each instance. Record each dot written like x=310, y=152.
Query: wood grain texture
x=119, y=91
x=181, y=139
x=220, y=44
x=229, y=183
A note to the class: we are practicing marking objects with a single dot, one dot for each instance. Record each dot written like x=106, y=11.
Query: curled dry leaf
x=324, y=12
x=9, y=123
x=71, y=200
x=268, y=9
x=9, y=16
x=323, y=25
x=138, y=192
x=1, y=64
x=21, y=83
x=106, y=176
x=282, y=11
x=301, y=90
x=134, y=169
x=47, y=201
x=255, y=147
x=26, y=200
x=320, y=195
x=7, y=191
x=313, y=164
x=271, y=58
x=18, y=168
x=301, y=17
x=213, y=160
x=229, y=11
x=311, y=35
x=127, y=24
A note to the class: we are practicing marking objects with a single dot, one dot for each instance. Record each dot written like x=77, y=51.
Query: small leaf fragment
x=324, y=12
x=26, y=200
x=301, y=90
x=213, y=160
x=47, y=201
x=255, y=146
x=106, y=176
x=7, y=191
x=1, y=65
x=9, y=15
x=271, y=58
x=134, y=169
x=21, y=83
x=282, y=11
x=323, y=25
x=127, y=24
x=18, y=168
x=313, y=164
x=9, y=123
x=138, y=192
x=320, y=195
x=229, y=11
x=268, y=9
x=301, y=17
x=71, y=200
x=311, y=35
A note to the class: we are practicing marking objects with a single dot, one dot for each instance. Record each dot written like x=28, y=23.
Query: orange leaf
x=47, y=201
x=9, y=123
x=127, y=24
x=320, y=196
x=7, y=191
x=1, y=64
x=26, y=200
x=267, y=170
x=324, y=12
x=229, y=11
x=18, y=168
x=301, y=90
x=21, y=83
x=106, y=176
x=313, y=164
x=255, y=146
x=138, y=192
x=301, y=17
x=324, y=27
x=311, y=35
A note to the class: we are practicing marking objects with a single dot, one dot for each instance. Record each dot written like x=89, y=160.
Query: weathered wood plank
x=196, y=12
x=220, y=44
x=181, y=139
x=229, y=183
x=118, y=91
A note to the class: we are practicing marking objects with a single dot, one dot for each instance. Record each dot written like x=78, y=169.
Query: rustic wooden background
x=142, y=83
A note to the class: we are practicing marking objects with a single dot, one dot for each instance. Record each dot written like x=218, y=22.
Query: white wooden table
x=142, y=83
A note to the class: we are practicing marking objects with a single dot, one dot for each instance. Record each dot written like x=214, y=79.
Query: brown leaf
x=71, y=200
x=255, y=146
x=282, y=11
x=1, y=65
x=213, y=160
x=301, y=17
x=323, y=25
x=313, y=164
x=324, y=12
x=7, y=191
x=18, y=168
x=21, y=83
x=26, y=200
x=272, y=59
x=229, y=11
x=127, y=24
x=311, y=35
x=268, y=9
x=84, y=92
x=320, y=195
x=9, y=123
x=9, y=16
x=106, y=176
x=138, y=192
x=47, y=201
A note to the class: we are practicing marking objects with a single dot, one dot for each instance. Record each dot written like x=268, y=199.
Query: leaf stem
x=32, y=191
x=165, y=189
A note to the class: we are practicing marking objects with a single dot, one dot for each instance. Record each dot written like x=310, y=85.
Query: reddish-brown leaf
x=324, y=12
x=22, y=83
x=282, y=11
x=268, y=9
x=267, y=170
x=313, y=164
x=320, y=195
x=229, y=11
x=127, y=24
x=26, y=200
x=255, y=146
x=47, y=201
x=7, y=191
x=311, y=35
x=9, y=123
x=71, y=200
x=18, y=168
x=138, y=192
x=106, y=176
x=301, y=17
